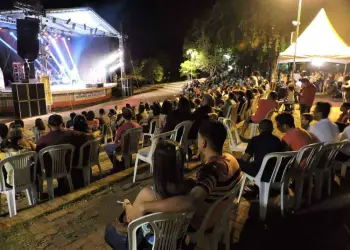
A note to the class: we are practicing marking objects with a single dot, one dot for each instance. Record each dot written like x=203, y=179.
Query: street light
x=191, y=53
x=297, y=24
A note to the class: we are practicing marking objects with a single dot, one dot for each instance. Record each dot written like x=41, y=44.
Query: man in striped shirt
x=215, y=178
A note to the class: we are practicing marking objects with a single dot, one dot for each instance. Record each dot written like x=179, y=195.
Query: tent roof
x=86, y=21
x=319, y=41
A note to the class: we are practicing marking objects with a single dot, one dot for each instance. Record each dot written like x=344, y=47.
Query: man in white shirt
x=324, y=130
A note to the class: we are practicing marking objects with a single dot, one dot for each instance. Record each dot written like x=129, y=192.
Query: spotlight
x=68, y=21
x=68, y=38
x=11, y=33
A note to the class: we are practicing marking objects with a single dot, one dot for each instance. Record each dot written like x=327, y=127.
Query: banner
x=47, y=86
x=89, y=95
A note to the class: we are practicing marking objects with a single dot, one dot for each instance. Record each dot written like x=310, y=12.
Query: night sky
x=156, y=28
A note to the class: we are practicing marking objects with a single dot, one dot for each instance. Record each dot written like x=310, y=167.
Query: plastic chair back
x=307, y=157
x=185, y=128
x=229, y=126
x=167, y=228
x=58, y=155
x=281, y=159
x=130, y=141
x=89, y=153
x=23, y=176
x=243, y=110
x=234, y=114
x=328, y=154
x=152, y=126
x=156, y=138
x=228, y=115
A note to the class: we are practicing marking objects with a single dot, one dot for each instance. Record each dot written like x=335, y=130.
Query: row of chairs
x=24, y=167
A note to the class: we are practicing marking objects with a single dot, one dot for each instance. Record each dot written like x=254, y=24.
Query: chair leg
x=299, y=185
x=264, y=190
x=30, y=196
x=282, y=198
x=70, y=183
x=86, y=175
x=227, y=239
x=318, y=185
x=143, y=140
x=343, y=170
x=50, y=188
x=127, y=161
x=100, y=170
x=135, y=168
x=242, y=188
x=11, y=202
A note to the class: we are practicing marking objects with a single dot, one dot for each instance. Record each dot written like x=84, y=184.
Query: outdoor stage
x=64, y=96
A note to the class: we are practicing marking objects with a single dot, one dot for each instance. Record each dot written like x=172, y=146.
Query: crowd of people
x=249, y=102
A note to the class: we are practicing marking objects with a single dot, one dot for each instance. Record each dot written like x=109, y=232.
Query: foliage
x=151, y=70
x=188, y=68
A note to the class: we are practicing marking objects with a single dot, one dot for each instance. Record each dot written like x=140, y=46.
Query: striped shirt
x=218, y=176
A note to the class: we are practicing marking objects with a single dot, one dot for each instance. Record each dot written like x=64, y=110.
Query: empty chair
x=60, y=166
x=89, y=157
x=129, y=146
x=277, y=179
x=303, y=169
x=168, y=228
x=325, y=167
x=209, y=239
x=183, y=128
x=146, y=154
x=152, y=128
x=22, y=178
x=236, y=145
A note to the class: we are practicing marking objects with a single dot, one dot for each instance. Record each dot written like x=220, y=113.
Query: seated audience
x=38, y=129
x=294, y=138
x=264, y=108
x=142, y=115
x=229, y=103
x=81, y=125
x=168, y=179
x=306, y=119
x=324, y=130
x=16, y=131
x=166, y=109
x=182, y=113
x=129, y=124
x=258, y=147
x=69, y=123
x=217, y=176
x=104, y=119
x=93, y=123
x=344, y=116
x=84, y=113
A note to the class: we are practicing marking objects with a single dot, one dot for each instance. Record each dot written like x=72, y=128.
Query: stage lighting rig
x=36, y=10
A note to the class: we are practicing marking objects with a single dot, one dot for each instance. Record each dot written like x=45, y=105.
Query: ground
x=81, y=224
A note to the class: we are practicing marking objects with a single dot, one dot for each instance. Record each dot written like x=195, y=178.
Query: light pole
x=297, y=35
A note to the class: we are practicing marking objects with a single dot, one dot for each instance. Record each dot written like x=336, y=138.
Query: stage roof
x=319, y=41
x=74, y=22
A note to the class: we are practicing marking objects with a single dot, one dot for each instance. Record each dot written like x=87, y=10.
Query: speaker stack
x=124, y=89
x=29, y=99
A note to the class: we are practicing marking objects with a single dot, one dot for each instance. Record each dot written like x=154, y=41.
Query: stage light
x=318, y=62
x=59, y=53
x=68, y=38
x=111, y=58
x=115, y=67
x=75, y=70
x=13, y=35
x=8, y=46
x=68, y=21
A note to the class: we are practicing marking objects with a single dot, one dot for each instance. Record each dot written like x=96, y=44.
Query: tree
x=188, y=69
x=151, y=70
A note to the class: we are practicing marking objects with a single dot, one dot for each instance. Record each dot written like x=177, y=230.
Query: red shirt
x=265, y=106
x=297, y=138
x=308, y=93
x=120, y=131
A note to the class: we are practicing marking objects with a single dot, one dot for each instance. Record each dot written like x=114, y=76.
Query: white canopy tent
x=319, y=42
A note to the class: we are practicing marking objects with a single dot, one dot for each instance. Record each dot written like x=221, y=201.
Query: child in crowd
x=289, y=102
x=306, y=119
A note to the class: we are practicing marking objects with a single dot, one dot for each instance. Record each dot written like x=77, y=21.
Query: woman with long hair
x=38, y=129
x=168, y=177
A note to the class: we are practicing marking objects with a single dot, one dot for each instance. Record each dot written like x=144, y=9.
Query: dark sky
x=159, y=26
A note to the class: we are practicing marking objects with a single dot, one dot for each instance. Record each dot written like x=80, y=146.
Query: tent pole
x=346, y=65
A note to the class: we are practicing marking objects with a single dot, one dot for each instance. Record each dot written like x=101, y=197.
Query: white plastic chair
x=23, y=179
x=107, y=133
x=57, y=169
x=326, y=168
x=184, y=142
x=152, y=128
x=168, y=228
x=209, y=239
x=255, y=126
x=146, y=154
x=303, y=169
x=242, y=112
x=129, y=146
x=264, y=187
x=236, y=145
x=89, y=157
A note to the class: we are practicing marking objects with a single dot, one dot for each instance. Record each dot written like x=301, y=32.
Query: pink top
x=265, y=106
x=308, y=93
x=297, y=138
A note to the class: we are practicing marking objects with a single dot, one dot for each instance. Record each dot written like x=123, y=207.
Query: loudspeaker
x=27, y=38
x=29, y=99
x=123, y=89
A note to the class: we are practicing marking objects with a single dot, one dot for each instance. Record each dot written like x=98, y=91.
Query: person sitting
x=27, y=134
x=241, y=101
x=229, y=103
x=168, y=177
x=93, y=123
x=264, y=108
x=306, y=119
x=84, y=113
x=182, y=113
x=4, y=130
x=142, y=114
x=38, y=129
x=217, y=176
x=256, y=151
x=324, y=130
x=16, y=131
x=69, y=123
x=166, y=109
x=344, y=116
x=58, y=136
x=104, y=119
x=129, y=124
x=80, y=124
x=294, y=138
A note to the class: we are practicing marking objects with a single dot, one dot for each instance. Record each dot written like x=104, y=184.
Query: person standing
x=307, y=96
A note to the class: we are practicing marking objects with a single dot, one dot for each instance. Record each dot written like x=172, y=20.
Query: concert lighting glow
x=115, y=67
x=60, y=55
x=111, y=58
x=8, y=45
x=75, y=70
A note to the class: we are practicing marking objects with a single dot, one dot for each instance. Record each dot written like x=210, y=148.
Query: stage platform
x=64, y=95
